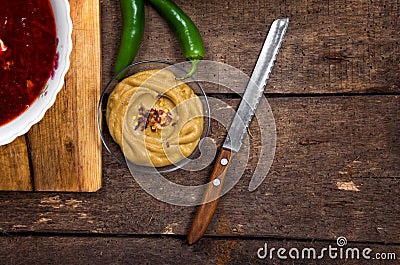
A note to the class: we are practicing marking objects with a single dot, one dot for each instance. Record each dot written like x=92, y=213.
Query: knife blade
x=238, y=128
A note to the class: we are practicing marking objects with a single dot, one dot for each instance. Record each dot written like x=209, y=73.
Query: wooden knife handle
x=206, y=210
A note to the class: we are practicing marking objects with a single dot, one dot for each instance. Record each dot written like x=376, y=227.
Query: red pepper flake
x=167, y=144
x=157, y=119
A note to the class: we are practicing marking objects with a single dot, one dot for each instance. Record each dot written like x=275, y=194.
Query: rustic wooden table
x=335, y=97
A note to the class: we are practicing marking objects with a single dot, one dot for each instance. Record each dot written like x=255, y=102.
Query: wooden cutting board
x=63, y=151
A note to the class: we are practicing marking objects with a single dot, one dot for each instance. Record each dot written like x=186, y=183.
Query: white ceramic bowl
x=36, y=111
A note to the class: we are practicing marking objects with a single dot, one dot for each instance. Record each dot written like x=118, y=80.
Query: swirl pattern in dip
x=156, y=120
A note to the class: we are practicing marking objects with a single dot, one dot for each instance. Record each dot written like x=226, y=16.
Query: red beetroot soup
x=28, y=45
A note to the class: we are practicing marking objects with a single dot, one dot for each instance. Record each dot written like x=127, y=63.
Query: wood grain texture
x=330, y=47
x=14, y=164
x=335, y=172
x=172, y=250
x=336, y=168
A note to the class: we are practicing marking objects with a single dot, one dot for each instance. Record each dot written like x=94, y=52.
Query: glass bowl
x=180, y=70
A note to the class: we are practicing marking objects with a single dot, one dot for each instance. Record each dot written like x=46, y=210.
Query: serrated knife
x=238, y=128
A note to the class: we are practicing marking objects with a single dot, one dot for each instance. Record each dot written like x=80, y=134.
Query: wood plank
x=66, y=150
x=169, y=250
x=14, y=164
x=336, y=172
x=335, y=47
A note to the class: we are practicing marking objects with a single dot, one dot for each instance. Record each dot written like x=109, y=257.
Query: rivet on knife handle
x=206, y=211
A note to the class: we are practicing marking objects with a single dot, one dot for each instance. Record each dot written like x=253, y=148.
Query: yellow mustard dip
x=156, y=119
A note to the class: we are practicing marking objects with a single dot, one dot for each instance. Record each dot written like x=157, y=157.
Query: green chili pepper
x=132, y=33
x=186, y=31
